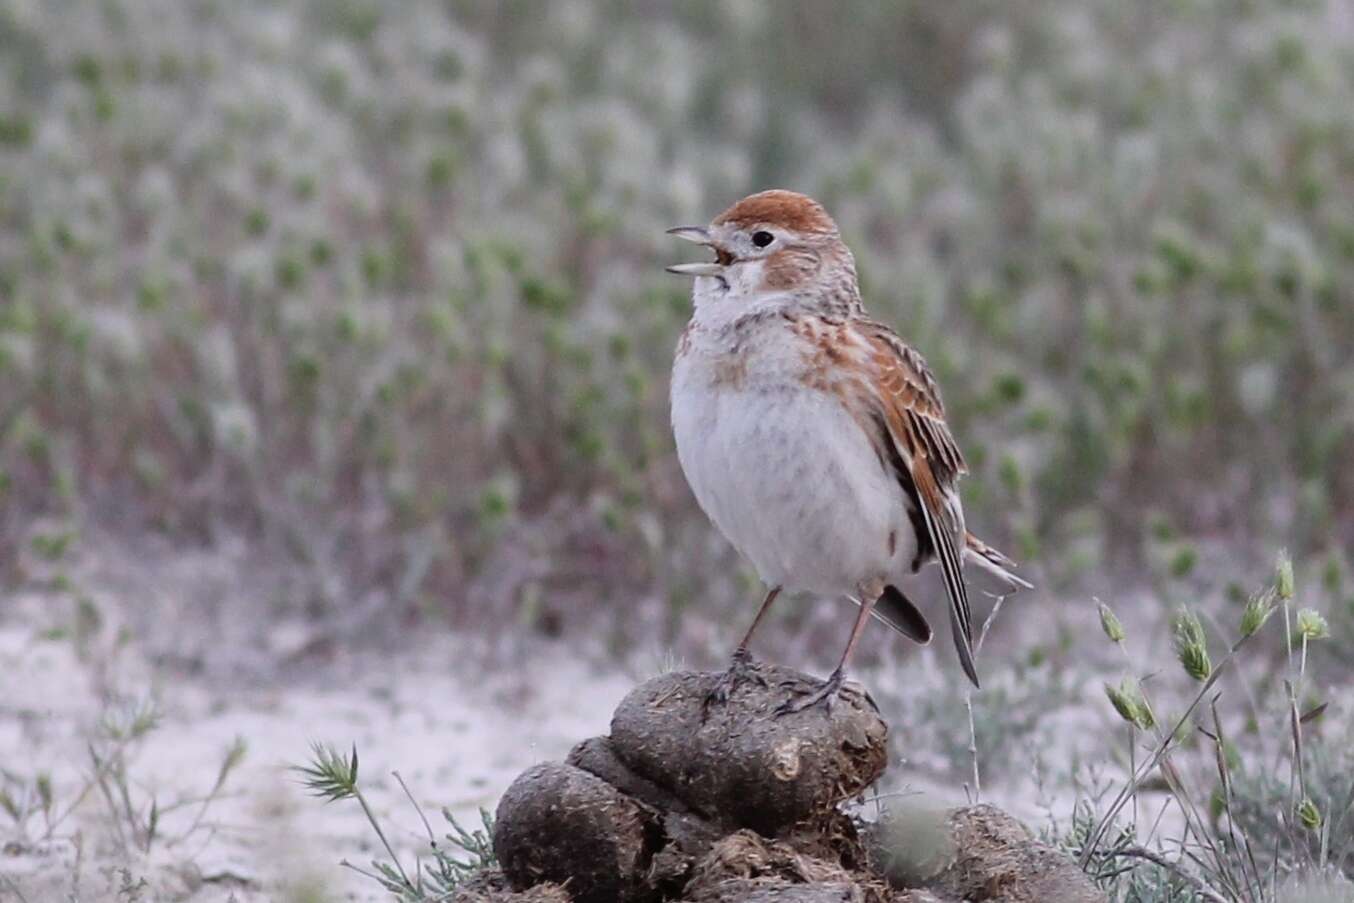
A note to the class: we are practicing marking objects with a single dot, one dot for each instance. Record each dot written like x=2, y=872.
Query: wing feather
x=904, y=389
x=896, y=400
x=934, y=510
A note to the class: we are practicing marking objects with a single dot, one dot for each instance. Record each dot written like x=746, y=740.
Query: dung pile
x=724, y=803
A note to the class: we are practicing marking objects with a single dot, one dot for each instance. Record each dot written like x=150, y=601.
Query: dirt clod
x=993, y=857
x=491, y=886
x=774, y=890
x=739, y=763
x=561, y=824
x=730, y=802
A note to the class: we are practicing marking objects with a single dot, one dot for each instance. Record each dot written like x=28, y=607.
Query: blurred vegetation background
x=380, y=285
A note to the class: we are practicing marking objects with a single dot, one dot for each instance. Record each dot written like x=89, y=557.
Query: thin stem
x=100, y=767
x=376, y=825
x=1199, y=886
x=973, y=744
x=1242, y=842
x=1194, y=824
x=197, y=820
x=432, y=838
x=1292, y=765
x=1132, y=786
x=988, y=621
x=120, y=773
x=1297, y=723
x=9, y=882
x=102, y=780
x=1297, y=779
x=380, y=879
x=1133, y=768
x=1133, y=733
x=968, y=701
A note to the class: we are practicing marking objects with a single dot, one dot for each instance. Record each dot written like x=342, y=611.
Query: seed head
x=1110, y=624
x=1311, y=625
x=1283, y=579
x=1191, y=647
x=1258, y=609
x=1308, y=814
x=1129, y=702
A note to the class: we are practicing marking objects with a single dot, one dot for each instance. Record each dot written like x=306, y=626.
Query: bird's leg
x=869, y=595
x=741, y=655
x=740, y=667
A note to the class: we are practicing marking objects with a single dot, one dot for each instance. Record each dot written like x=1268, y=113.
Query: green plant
x=418, y=310
x=137, y=821
x=459, y=855
x=1245, y=831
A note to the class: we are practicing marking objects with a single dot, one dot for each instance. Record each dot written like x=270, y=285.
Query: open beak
x=701, y=236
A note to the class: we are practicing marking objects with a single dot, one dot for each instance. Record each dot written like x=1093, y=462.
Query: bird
x=813, y=436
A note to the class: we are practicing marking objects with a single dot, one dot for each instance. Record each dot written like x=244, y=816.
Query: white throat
x=719, y=303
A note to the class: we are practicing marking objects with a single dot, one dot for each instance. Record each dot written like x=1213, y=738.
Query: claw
x=826, y=694
x=740, y=669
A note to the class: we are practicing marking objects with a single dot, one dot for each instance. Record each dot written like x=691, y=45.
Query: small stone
x=912, y=845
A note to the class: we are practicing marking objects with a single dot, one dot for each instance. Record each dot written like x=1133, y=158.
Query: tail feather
x=993, y=562
x=895, y=609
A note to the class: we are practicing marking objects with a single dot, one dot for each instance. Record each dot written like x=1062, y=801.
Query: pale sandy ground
x=457, y=728
x=204, y=635
x=269, y=840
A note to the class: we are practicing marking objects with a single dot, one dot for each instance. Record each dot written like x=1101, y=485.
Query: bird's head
x=775, y=247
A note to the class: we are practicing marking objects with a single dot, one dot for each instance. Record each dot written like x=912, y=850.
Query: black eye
x=762, y=239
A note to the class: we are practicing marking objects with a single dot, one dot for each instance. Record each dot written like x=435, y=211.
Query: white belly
x=792, y=481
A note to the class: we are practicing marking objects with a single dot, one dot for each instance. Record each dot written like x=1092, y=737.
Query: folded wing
x=918, y=444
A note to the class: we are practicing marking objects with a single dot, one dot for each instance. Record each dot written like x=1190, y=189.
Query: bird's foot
x=826, y=694
x=741, y=669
